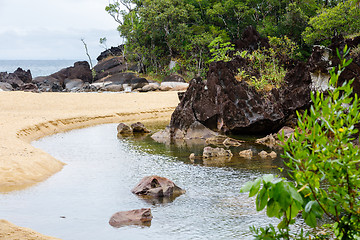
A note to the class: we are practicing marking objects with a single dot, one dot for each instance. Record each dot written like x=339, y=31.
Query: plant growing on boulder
x=324, y=164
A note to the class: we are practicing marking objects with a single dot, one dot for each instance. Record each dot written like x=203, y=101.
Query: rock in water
x=124, y=129
x=139, y=128
x=134, y=217
x=157, y=187
x=210, y=152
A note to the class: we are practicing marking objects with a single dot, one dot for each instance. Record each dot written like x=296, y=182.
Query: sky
x=53, y=29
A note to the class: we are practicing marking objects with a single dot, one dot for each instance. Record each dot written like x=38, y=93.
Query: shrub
x=324, y=164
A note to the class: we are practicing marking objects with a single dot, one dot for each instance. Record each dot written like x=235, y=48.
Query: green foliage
x=284, y=46
x=323, y=162
x=220, y=49
x=265, y=62
x=158, y=30
x=341, y=19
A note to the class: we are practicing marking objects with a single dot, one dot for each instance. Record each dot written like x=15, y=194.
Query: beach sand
x=26, y=116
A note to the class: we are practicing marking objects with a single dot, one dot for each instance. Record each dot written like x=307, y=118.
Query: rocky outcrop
x=157, y=187
x=226, y=105
x=109, y=67
x=80, y=70
x=4, y=86
x=23, y=75
x=111, y=52
x=134, y=217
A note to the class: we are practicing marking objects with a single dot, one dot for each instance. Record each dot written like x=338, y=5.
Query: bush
x=324, y=164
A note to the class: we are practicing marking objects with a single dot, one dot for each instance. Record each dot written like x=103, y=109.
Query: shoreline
x=25, y=117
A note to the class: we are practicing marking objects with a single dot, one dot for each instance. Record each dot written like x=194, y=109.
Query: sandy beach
x=25, y=117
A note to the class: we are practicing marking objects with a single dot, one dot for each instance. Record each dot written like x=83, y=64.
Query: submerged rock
x=264, y=154
x=134, y=217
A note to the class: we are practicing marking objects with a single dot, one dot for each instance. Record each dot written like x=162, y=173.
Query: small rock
x=273, y=154
x=192, y=157
x=124, y=129
x=246, y=154
x=134, y=217
x=139, y=128
x=263, y=154
x=232, y=142
x=210, y=152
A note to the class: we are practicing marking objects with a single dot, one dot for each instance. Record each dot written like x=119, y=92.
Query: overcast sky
x=52, y=29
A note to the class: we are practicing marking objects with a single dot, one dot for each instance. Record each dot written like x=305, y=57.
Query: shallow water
x=101, y=170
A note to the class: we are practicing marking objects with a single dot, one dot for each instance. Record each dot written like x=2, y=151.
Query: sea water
x=37, y=67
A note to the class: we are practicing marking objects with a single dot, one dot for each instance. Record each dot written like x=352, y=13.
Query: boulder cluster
x=112, y=73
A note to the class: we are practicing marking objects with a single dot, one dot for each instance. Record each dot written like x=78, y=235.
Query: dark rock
x=251, y=40
x=73, y=84
x=48, y=84
x=155, y=186
x=110, y=67
x=4, y=86
x=136, y=83
x=173, y=78
x=113, y=51
x=353, y=70
x=25, y=76
x=119, y=78
x=181, y=95
x=134, y=217
x=124, y=129
x=138, y=127
x=12, y=79
x=29, y=87
x=80, y=70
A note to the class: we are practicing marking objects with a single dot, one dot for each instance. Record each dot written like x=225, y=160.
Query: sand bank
x=25, y=117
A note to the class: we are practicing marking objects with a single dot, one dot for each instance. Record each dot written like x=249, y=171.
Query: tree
x=343, y=19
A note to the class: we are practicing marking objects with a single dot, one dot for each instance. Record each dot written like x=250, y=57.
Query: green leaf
x=261, y=199
x=247, y=186
x=268, y=178
x=255, y=187
x=309, y=218
x=273, y=209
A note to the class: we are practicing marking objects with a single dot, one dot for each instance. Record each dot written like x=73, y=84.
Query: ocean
x=37, y=67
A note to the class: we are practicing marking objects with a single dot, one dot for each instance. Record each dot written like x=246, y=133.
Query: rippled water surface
x=101, y=170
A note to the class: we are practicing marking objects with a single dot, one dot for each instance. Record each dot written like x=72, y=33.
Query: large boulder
x=157, y=187
x=110, y=67
x=73, y=84
x=24, y=76
x=80, y=70
x=173, y=78
x=134, y=217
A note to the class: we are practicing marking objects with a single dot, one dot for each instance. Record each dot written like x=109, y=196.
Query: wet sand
x=25, y=117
